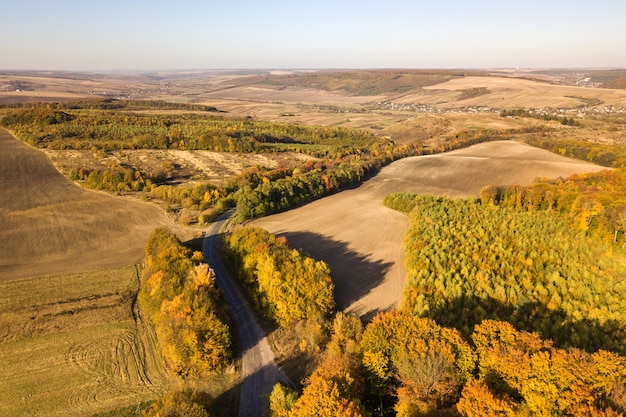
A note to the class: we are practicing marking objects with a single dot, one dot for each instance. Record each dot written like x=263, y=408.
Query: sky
x=81, y=35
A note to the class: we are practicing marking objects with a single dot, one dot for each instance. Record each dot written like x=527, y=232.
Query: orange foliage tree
x=428, y=363
x=542, y=379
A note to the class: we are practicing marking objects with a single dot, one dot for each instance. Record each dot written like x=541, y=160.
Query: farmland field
x=48, y=225
x=70, y=346
x=361, y=239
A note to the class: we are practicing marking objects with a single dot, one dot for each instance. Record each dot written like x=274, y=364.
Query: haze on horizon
x=158, y=35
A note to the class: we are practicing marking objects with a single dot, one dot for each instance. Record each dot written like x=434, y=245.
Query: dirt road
x=259, y=372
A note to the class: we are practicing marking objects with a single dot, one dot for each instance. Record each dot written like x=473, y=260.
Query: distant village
x=582, y=111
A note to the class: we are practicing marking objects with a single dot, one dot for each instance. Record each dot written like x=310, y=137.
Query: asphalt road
x=259, y=371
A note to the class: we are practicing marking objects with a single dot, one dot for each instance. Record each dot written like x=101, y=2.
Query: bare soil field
x=362, y=240
x=511, y=93
x=48, y=225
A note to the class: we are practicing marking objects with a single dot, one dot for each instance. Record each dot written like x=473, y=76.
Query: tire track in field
x=114, y=368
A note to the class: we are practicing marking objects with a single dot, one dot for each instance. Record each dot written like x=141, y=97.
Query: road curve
x=259, y=371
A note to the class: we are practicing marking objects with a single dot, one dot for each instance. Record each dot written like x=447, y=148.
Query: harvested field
x=69, y=346
x=362, y=240
x=511, y=93
x=48, y=225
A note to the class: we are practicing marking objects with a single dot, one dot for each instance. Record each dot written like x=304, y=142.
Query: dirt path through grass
x=362, y=240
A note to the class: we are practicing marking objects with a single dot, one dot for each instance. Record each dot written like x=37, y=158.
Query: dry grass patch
x=175, y=165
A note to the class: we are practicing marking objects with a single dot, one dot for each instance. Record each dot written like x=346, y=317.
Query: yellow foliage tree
x=331, y=391
x=478, y=401
x=550, y=381
x=178, y=292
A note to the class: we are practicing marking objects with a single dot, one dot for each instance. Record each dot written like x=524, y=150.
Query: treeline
x=599, y=153
x=307, y=183
x=179, y=296
x=408, y=366
x=467, y=262
x=102, y=103
x=564, y=120
x=285, y=285
x=364, y=83
x=114, y=179
x=594, y=203
x=89, y=128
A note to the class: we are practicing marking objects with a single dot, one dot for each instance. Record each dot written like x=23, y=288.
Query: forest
x=467, y=262
x=366, y=83
x=517, y=318
x=404, y=365
x=594, y=203
x=608, y=155
x=82, y=126
x=179, y=297
x=514, y=306
x=285, y=285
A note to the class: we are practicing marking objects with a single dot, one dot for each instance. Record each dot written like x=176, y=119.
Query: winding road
x=259, y=371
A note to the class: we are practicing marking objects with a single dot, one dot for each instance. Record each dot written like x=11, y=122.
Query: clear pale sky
x=227, y=34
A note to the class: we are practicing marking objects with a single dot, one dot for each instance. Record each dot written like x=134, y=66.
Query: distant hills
x=366, y=82
x=619, y=83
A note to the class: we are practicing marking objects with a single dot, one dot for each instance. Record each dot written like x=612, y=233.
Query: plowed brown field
x=362, y=240
x=48, y=225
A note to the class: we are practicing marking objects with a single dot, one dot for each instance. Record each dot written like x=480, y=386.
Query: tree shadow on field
x=464, y=312
x=354, y=275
